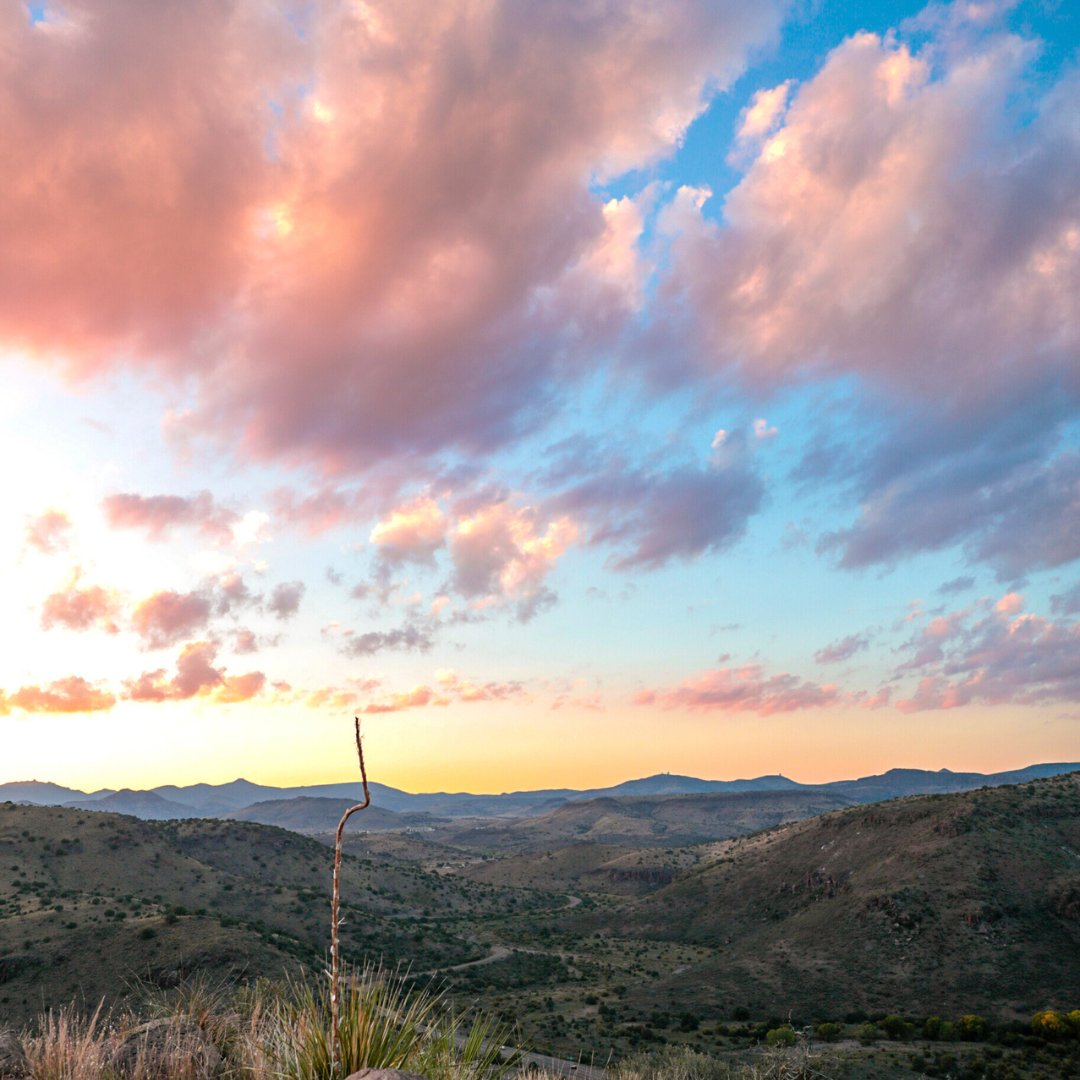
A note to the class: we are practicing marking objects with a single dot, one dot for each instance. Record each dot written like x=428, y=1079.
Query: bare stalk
x=335, y=921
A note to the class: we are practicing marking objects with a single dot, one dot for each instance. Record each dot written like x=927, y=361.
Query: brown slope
x=91, y=903
x=662, y=820
x=927, y=904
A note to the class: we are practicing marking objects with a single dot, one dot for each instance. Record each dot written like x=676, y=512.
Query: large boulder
x=167, y=1048
x=13, y=1063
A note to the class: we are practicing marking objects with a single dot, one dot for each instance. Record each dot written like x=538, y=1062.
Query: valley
x=603, y=926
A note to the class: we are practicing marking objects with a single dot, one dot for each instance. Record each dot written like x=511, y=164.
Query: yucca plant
x=454, y=1049
x=381, y=1024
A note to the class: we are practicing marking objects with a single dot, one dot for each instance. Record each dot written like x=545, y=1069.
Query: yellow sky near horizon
x=494, y=749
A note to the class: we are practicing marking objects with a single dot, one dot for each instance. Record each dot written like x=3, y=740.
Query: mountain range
x=322, y=803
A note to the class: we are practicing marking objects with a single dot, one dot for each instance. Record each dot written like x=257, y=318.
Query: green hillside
x=91, y=903
x=926, y=904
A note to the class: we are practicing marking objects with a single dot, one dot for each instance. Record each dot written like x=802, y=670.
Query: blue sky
x=572, y=391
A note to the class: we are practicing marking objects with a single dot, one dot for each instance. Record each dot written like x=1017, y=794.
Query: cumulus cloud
x=284, y=601
x=907, y=228
x=1067, y=602
x=652, y=516
x=842, y=650
x=501, y=552
x=167, y=617
x=991, y=655
x=196, y=676
x=78, y=607
x=408, y=638
x=158, y=515
x=49, y=532
x=742, y=689
x=69, y=695
x=449, y=687
x=764, y=113
x=410, y=533
x=266, y=277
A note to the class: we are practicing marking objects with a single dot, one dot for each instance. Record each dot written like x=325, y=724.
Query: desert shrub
x=1050, y=1025
x=932, y=1027
x=971, y=1027
x=827, y=1032
x=670, y=1063
x=947, y=1031
x=895, y=1027
x=868, y=1033
x=1074, y=1022
x=781, y=1036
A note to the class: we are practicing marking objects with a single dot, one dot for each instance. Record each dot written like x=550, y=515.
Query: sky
x=573, y=391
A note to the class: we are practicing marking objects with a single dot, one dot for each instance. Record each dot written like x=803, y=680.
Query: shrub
x=971, y=1028
x=781, y=1036
x=895, y=1027
x=1050, y=1025
x=827, y=1032
x=932, y=1028
x=868, y=1033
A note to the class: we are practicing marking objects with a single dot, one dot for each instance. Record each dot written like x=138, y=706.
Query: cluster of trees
x=1056, y=1025
x=1047, y=1024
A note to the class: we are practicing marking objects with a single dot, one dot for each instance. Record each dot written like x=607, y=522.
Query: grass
x=268, y=1031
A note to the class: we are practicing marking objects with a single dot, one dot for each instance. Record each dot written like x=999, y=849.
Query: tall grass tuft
x=68, y=1046
x=381, y=1024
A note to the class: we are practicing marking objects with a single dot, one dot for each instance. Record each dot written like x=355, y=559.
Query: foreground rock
x=165, y=1049
x=13, y=1063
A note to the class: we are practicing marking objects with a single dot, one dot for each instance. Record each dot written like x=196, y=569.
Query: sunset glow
x=572, y=391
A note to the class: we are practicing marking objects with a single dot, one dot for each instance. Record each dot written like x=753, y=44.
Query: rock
x=13, y=1063
x=383, y=1074
x=167, y=1048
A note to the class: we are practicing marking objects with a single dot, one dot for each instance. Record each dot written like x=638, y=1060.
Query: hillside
x=93, y=902
x=147, y=805
x=218, y=800
x=662, y=820
x=319, y=815
x=966, y=902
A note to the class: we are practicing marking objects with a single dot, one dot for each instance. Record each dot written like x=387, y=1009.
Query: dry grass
x=264, y=1031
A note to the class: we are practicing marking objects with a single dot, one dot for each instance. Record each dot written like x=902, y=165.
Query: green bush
x=1050, y=1025
x=971, y=1028
x=932, y=1028
x=895, y=1027
x=828, y=1032
x=781, y=1036
x=868, y=1033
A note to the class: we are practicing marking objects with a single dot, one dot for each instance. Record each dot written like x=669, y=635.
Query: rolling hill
x=93, y=903
x=952, y=903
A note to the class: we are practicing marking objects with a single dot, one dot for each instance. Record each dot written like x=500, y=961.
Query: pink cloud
x=996, y=657
x=410, y=533
x=503, y=553
x=166, y=617
x=266, y=277
x=196, y=676
x=285, y=599
x=159, y=514
x=70, y=695
x=867, y=234
x=49, y=532
x=745, y=689
x=449, y=687
x=842, y=650
x=76, y=608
